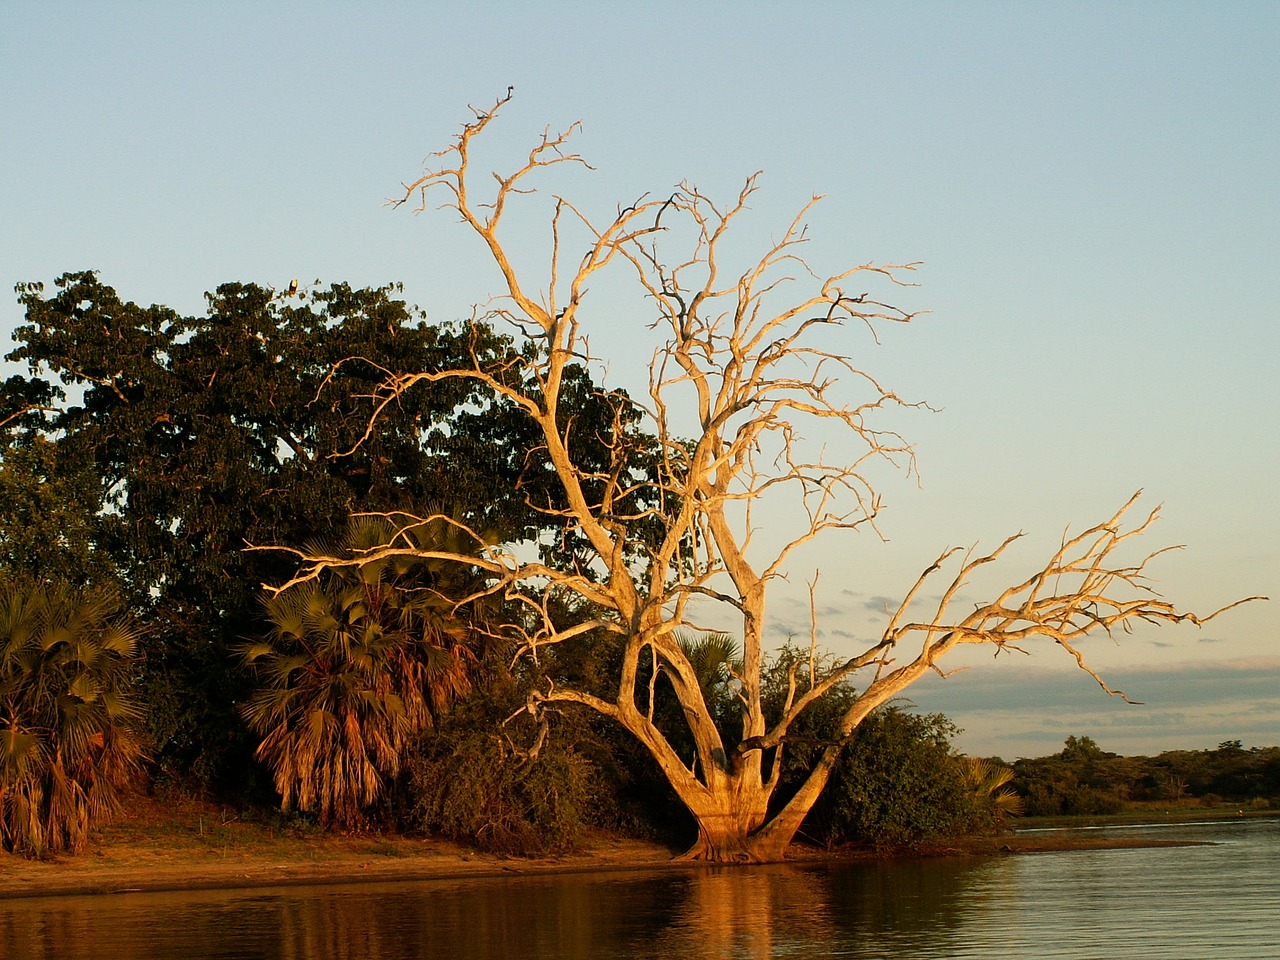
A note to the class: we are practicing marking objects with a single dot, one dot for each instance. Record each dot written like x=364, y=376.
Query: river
x=1218, y=902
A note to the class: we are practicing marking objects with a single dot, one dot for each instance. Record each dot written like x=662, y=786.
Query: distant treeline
x=1084, y=779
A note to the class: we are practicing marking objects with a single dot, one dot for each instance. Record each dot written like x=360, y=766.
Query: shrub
x=898, y=785
x=897, y=782
x=469, y=782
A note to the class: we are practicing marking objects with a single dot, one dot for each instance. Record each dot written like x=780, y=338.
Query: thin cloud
x=1185, y=705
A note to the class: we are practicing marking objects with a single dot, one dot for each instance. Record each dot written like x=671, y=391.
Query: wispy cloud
x=1029, y=711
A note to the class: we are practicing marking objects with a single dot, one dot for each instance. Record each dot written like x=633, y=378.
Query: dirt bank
x=188, y=845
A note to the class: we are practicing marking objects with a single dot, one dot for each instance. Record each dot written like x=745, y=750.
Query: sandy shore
x=128, y=870
x=181, y=845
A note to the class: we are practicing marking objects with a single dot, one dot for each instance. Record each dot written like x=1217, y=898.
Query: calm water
x=1217, y=903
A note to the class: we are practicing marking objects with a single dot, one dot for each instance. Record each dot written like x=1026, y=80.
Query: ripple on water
x=1219, y=902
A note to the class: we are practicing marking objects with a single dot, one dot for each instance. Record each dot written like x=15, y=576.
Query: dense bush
x=474, y=780
x=897, y=784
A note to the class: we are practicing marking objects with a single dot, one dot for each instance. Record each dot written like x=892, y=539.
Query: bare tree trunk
x=729, y=821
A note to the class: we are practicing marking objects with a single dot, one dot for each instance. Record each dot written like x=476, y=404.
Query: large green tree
x=174, y=441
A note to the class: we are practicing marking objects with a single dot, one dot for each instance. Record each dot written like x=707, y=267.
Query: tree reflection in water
x=752, y=912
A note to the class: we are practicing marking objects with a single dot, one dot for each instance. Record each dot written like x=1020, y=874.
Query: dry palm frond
x=355, y=667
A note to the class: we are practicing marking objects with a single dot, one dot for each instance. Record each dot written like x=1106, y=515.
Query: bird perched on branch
x=293, y=287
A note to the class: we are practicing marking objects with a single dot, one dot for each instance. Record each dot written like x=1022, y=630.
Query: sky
x=1091, y=190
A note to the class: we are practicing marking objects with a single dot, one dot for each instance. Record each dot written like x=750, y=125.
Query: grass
x=177, y=821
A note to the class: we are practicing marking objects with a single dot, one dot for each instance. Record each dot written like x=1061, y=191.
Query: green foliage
x=819, y=723
x=25, y=404
x=471, y=782
x=989, y=781
x=637, y=798
x=474, y=778
x=1230, y=772
x=357, y=665
x=251, y=424
x=898, y=785
x=604, y=438
x=69, y=738
x=715, y=658
x=49, y=523
x=1082, y=779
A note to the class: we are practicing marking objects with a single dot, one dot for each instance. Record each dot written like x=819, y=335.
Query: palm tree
x=988, y=783
x=70, y=738
x=356, y=666
x=714, y=658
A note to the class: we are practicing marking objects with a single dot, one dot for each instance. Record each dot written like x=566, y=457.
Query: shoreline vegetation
x=167, y=845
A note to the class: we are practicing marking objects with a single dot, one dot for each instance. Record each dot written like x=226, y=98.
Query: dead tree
x=740, y=369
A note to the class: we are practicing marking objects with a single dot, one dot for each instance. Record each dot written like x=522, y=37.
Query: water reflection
x=730, y=912
x=1220, y=901
x=720, y=912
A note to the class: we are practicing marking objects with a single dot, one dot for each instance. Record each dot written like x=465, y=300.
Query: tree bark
x=730, y=821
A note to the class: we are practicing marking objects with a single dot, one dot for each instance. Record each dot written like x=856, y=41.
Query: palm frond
x=354, y=667
x=66, y=667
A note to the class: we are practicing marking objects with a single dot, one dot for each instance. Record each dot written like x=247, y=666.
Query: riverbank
x=187, y=845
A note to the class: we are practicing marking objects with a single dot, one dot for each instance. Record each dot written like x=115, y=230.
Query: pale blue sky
x=1092, y=189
